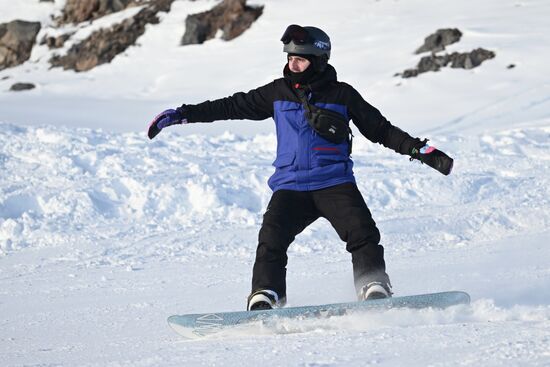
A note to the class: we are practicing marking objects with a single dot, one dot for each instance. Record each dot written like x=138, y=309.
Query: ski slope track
x=105, y=233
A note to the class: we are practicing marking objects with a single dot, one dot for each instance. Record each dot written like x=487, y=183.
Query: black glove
x=432, y=157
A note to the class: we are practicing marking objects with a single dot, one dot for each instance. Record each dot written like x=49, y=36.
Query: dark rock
x=103, y=45
x=408, y=73
x=511, y=66
x=432, y=63
x=22, y=86
x=76, y=11
x=16, y=41
x=55, y=42
x=464, y=60
x=470, y=60
x=232, y=17
x=441, y=38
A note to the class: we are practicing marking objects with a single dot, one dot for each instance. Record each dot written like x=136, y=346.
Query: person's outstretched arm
x=378, y=129
x=257, y=104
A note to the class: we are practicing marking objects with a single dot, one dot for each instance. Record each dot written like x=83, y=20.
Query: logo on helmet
x=322, y=45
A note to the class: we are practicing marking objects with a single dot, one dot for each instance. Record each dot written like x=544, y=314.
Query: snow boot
x=375, y=290
x=264, y=299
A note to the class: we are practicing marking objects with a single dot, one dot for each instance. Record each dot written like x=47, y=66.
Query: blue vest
x=305, y=161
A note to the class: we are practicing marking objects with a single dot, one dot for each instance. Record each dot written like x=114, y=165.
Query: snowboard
x=194, y=326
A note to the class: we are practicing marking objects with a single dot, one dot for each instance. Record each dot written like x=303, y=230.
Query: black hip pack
x=330, y=125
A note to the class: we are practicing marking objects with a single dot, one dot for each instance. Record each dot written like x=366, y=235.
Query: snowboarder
x=313, y=170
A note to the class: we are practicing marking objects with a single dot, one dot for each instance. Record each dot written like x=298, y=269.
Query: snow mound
x=66, y=181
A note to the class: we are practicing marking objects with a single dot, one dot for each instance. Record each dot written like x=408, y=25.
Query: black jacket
x=305, y=161
x=257, y=104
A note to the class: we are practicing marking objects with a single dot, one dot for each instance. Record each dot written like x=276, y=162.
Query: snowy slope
x=368, y=49
x=103, y=233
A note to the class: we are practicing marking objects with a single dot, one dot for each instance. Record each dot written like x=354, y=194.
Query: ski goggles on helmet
x=298, y=34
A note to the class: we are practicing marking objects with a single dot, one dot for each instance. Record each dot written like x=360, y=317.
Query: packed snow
x=104, y=233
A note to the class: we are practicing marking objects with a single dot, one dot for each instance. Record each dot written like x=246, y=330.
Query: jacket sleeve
x=376, y=128
x=256, y=104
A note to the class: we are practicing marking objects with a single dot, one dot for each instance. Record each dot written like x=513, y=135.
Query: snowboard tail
x=195, y=326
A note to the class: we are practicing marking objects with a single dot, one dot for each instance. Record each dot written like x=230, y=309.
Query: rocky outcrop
x=16, y=41
x=103, y=45
x=437, y=41
x=470, y=60
x=464, y=60
x=76, y=11
x=232, y=17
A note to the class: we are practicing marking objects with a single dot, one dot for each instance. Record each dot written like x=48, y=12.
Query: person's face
x=298, y=64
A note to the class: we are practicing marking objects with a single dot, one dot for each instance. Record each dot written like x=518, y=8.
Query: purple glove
x=165, y=118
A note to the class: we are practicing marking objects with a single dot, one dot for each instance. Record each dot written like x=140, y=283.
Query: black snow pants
x=290, y=212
